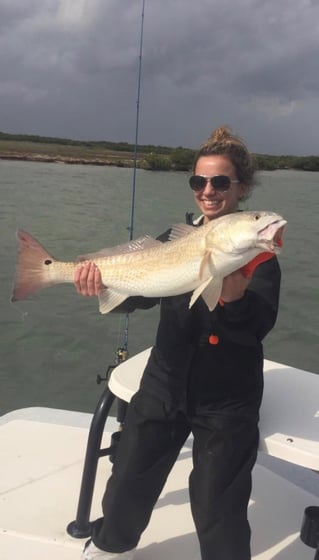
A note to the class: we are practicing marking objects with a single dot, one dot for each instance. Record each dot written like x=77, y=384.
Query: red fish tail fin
x=33, y=267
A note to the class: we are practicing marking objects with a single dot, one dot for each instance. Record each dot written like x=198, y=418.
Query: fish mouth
x=270, y=237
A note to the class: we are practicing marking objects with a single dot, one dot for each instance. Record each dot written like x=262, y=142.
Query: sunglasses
x=218, y=182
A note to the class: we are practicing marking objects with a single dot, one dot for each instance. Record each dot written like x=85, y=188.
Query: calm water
x=53, y=346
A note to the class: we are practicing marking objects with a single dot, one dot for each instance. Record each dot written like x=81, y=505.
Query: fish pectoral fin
x=206, y=266
x=198, y=291
x=210, y=291
x=109, y=299
x=145, y=242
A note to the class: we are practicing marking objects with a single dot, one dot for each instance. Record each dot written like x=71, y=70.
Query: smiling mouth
x=210, y=201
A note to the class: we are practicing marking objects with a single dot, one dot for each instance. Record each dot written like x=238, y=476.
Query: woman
x=205, y=377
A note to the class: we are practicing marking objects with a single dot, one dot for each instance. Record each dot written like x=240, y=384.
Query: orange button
x=213, y=339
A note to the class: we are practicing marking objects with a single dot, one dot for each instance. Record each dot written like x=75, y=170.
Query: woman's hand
x=234, y=286
x=87, y=279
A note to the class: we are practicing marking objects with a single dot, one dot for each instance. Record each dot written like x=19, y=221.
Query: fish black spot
x=47, y=261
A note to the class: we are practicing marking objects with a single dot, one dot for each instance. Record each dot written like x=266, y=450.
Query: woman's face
x=213, y=203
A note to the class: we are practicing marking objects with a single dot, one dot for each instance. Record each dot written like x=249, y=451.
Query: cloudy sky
x=69, y=68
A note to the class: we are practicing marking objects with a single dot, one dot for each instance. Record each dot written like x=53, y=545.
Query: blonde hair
x=223, y=141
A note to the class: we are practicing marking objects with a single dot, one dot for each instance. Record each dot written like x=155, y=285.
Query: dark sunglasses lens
x=221, y=182
x=197, y=182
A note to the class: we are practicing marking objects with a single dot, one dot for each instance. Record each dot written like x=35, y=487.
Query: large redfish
x=196, y=259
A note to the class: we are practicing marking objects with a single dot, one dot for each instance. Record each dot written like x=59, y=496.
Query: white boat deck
x=41, y=469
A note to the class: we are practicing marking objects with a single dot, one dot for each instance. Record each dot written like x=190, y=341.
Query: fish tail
x=33, y=270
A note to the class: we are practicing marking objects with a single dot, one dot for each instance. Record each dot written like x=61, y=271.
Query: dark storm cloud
x=69, y=68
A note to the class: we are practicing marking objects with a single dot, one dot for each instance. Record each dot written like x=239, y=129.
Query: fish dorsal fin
x=109, y=299
x=180, y=230
x=210, y=291
x=145, y=242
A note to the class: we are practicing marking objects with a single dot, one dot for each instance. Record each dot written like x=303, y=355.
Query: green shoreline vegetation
x=23, y=147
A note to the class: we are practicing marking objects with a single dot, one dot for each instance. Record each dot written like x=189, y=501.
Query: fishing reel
x=121, y=355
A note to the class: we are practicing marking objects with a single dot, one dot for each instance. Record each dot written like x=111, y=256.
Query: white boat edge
x=44, y=450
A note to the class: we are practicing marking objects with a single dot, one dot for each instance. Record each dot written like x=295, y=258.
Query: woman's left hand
x=234, y=286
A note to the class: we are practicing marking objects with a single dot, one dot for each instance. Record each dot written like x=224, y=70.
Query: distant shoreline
x=41, y=158
x=121, y=154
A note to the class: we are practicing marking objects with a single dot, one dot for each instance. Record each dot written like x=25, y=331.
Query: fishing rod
x=122, y=352
x=136, y=143
x=131, y=226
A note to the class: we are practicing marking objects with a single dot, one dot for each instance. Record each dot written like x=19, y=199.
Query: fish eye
x=257, y=216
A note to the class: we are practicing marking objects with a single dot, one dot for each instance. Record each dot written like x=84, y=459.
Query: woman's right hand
x=88, y=279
